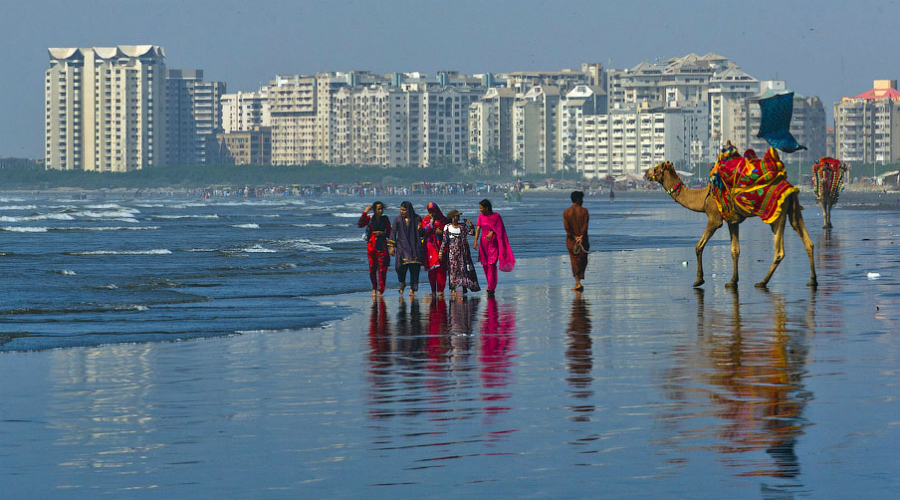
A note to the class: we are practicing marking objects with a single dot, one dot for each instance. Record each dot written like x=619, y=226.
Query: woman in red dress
x=433, y=229
x=378, y=227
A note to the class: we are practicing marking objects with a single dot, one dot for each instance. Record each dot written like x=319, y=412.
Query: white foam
x=113, y=214
x=246, y=226
x=211, y=216
x=156, y=251
x=107, y=228
x=306, y=245
x=18, y=207
x=340, y=240
x=257, y=249
x=308, y=225
x=14, y=229
x=32, y=218
x=347, y=215
x=65, y=272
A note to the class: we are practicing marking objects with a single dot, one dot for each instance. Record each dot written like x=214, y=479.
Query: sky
x=825, y=48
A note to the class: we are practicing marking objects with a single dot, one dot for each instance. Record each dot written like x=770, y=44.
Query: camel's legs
x=734, y=230
x=827, y=204
x=711, y=227
x=800, y=227
x=778, y=230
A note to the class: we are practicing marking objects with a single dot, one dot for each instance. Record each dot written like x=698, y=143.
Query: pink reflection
x=498, y=326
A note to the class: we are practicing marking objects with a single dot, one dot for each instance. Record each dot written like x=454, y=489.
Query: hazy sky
x=824, y=48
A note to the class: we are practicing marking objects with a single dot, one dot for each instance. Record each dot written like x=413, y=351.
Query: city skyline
x=822, y=49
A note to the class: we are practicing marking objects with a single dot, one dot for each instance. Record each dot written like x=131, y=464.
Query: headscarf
x=430, y=224
x=406, y=239
x=437, y=214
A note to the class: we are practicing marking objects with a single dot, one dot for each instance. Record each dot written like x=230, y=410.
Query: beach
x=639, y=387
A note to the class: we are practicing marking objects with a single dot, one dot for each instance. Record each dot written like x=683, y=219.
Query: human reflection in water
x=498, y=327
x=463, y=312
x=409, y=332
x=438, y=342
x=579, y=357
x=380, y=355
x=751, y=370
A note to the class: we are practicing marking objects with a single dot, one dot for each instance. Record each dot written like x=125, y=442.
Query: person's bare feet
x=440, y=295
x=374, y=293
x=402, y=288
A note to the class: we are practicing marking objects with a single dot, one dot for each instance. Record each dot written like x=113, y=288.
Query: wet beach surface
x=640, y=387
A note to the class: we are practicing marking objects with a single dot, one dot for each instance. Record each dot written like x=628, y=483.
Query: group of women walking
x=439, y=243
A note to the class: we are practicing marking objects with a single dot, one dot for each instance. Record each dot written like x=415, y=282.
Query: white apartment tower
x=245, y=111
x=867, y=126
x=445, y=124
x=105, y=108
x=629, y=141
x=292, y=104
x=726, y=90
x=491, y=125
x=535, y=128
x=370, y=126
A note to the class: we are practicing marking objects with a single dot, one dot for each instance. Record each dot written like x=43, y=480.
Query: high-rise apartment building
x=105, y=108
x=629, y=141
x=444, y=122
x=371, y=126
x=583, y=100
x=491, y=125
x=193, y=117
x=292, y=104
x=536, y=129
x=726, y=90
x=867, y=126
x=246, y=111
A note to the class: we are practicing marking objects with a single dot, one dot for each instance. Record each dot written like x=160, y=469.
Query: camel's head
x=656, y=173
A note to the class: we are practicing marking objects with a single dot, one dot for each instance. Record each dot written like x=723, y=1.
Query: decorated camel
x=828, y=180
x=740, y=188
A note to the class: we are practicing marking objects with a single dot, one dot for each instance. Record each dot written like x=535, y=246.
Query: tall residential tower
x=105, y=108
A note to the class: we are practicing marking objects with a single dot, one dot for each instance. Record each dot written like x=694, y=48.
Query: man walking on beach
x=575, y=220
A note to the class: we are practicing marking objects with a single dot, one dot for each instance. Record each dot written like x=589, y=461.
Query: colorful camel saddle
x=749, y=185
x=828, y=177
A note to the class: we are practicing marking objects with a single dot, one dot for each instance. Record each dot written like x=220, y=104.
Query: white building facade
x=105, y=108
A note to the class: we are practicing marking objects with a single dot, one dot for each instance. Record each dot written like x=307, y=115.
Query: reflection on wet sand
x=579, y=358
x=424, y=366
x=747, y=372
x=497, y=345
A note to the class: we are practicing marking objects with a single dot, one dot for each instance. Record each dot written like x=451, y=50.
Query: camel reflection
x=497, y=345
x=579, y=357
x=752, y=373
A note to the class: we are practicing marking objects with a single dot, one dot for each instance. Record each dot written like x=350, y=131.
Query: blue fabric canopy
x=775, y=122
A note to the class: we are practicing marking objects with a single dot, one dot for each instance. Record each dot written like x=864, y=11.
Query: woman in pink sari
x=492, y=245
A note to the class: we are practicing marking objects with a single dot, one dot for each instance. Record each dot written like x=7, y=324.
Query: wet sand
x=640, y=387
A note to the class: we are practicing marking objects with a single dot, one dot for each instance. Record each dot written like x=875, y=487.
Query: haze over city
x=827, y=49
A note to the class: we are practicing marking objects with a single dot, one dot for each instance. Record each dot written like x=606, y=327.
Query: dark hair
x=410, y=211
x=576, y=195
x=486, y=203
x=375, y=204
